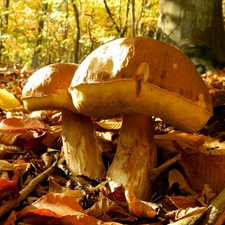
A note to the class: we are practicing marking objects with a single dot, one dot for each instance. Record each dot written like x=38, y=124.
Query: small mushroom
x=138, y=78
x=47, y=89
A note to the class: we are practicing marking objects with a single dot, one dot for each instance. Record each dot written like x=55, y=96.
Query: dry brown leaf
x=12, y=124
x=108, y=210
x=22, y=165
x=64, y=206
x=55, y=209
x=7, y=187
x=5, y=165
x=138, y=207
x=185, y=216
x=176, y=177
x=99, y=207
x=207, y=195
x=48, y=217
x=203, y=169
x=190, y=143
x=48, y=159
x=54, y=187
x=182, y=202
x=9, y=138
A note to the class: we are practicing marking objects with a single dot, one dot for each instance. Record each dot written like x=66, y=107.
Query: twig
x=10, y=204
x=156, y=171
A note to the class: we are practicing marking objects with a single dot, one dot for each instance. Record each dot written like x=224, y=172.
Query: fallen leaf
x=138, y=207
x=8, y=100
x=54, y=187
x=207, y=195
x=55, y=209
x=182, y=202
x=7, y=187
x=185, y=216
x=12, y=124
x=5, y=165
x=64, y=206
x=106, y=209
x=176, y=177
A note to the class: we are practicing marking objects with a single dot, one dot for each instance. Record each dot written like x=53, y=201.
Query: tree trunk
x=133, y=17
x=41, y=21
x=4, y=21
x=77, y=39
x=196, y=27
x=120, y=30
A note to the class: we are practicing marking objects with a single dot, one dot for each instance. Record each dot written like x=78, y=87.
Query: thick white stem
x=135, y=156
x=81, y=151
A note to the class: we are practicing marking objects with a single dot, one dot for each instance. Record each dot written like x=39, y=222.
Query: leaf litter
x=36, y=186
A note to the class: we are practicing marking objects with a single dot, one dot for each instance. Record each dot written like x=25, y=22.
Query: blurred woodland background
x=37, y=33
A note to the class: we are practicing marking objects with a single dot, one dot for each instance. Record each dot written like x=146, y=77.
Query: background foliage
x=41, y=32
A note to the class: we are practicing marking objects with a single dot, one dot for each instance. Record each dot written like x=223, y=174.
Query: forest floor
x=36, y=188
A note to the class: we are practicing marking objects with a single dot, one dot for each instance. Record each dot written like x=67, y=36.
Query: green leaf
x=8, y=100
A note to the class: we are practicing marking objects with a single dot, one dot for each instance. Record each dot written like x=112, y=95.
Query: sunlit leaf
x=110, y=124
x=8, y=100
x=55, y=209
x=64, y=206
x=138, y=207
x=185, y=216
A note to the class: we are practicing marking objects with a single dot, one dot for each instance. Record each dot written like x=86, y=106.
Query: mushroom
x=138, y=78
x=47, y=89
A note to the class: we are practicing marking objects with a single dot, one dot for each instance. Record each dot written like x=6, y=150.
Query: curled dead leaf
x=138, y=207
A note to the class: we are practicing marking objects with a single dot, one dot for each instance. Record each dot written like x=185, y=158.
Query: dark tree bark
x=133, y=18
x=4, y=21
x=41, y=21
x=6, y=14
x=194, y=26
x=77, y=38
x=120, y=30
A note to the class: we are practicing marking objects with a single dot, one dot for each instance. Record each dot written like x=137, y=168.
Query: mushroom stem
x=135, y=156
x=82, y=154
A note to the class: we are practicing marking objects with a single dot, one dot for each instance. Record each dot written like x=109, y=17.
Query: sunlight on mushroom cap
x=150, y=78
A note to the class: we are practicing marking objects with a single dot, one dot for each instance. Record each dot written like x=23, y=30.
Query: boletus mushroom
x=138, y=78
x=47, y=89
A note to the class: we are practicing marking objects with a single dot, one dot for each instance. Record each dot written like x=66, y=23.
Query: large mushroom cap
x=47, y=88
x=144, y=76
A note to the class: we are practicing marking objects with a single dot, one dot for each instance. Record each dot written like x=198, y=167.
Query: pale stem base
x=83, y=156
x=135, y=156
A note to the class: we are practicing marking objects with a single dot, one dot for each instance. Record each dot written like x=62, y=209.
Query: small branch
x=156, y=171
x=9, y=205
x=111, y=17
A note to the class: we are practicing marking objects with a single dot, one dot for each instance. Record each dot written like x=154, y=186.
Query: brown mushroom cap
x=45, y=89
x=143, y=76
